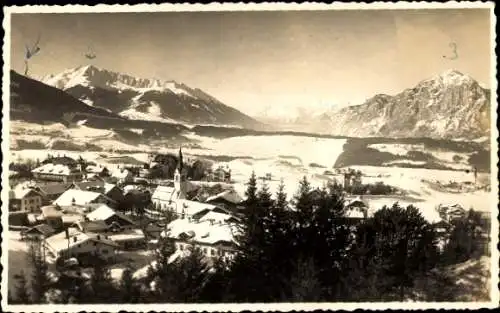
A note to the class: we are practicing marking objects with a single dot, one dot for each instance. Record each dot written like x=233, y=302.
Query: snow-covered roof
x=104, y=212
x=121, y=173
x=229, y=195
x=133, y=234
x=59, y=242
x=80, y=197
x=56, y=169
x=108, y=187
x=354, y=213
x=192, y=207
x=96, y=169
x=164, y=193
x=204, y=232
x=20, y=192
x=355, y=202
x=51, y=211
x=216, y=217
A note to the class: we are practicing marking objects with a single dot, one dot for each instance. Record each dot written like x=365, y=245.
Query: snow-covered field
x=79, y=135
x=450, y=159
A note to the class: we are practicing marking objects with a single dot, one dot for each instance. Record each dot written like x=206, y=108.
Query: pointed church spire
x=180, y=164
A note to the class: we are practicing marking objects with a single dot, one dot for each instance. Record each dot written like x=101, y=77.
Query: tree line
x=306, y=250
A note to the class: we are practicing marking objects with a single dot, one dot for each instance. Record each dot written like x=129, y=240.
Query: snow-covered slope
x=146, y=99
x=448, y=105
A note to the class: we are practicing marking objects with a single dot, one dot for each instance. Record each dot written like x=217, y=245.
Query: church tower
x=180, y=180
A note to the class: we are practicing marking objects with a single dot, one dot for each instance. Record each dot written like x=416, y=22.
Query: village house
x=59, y=217
x=74, y=243
x=122, y=176
x=50, y=191
x=356, y=209
x=57, y=172
x=222, y=174
x=38, y=232
x=450, y=212
x=215, y=240
x=24, y=199
x=228, y=199
x=97, y=170
x=112, y=218
x=110, y=190
x=352, y=178
x=82, y=198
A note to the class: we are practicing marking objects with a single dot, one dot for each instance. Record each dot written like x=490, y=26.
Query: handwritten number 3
x=455, y=53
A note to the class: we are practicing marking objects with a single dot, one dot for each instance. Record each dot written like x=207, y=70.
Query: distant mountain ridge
x=448, y=105
x=147, y=99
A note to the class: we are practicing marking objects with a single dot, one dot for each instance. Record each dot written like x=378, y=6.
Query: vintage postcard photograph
x=231, y=157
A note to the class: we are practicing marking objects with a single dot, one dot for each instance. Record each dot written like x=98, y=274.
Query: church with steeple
x=180, y=178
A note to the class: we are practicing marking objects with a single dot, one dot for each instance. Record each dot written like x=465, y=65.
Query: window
x=205, y=250
x=213, y=251
x=181, y=247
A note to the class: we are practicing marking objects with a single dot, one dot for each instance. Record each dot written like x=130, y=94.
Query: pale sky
x=250, y=60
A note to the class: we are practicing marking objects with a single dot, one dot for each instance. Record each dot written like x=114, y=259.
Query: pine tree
x=160, y=273
x=129, y=289
x=101, y=284
x=22, y=293
x=191, y=273
x=406, y=245
x=304, y=283
x=281, y=202
x=251, y=192
x=40, y=282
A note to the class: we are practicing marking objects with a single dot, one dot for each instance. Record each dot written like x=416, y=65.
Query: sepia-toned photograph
x=271, y=156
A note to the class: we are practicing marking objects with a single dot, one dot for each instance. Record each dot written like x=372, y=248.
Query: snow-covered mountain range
x=448, y=105
x=146, y=99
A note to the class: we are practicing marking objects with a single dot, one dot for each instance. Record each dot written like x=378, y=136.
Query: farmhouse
x=57, y=172
x=110, y=190
x=50, y=191
x=356, y=208
x=228, y=199
x=39, y=232
x=82, y=198
x=24, y=199
x=215, y=240
x=112, y=218
x=74, y=243
x=122, y=175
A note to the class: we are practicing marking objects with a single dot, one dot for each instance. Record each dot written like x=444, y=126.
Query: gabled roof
x=229, y=195
x=43, y=229
x=88, y=185
x=21, y=193
x=56, y=169
x=92, y=226
x=104, y=212
x=192, y=207
x=164, y=193
x=121, y=173
x=59, y=242
x=355, y=202
x=201, y=232
x=53, y=188
x=80, y=197
x=51, y=211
